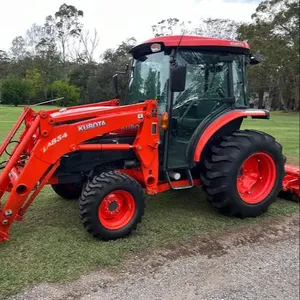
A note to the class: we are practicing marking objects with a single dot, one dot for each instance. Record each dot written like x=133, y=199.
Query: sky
x=117, y=20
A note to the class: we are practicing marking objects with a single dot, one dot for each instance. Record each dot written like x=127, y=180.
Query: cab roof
x=191, y=41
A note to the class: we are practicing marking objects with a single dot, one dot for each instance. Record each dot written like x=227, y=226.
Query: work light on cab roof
x=155, y=47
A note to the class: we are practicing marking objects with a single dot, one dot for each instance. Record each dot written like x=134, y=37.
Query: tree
x=217, y=28
x=150, y=86
x=158, y=87
x=83, y=76
x=70, y=93
x=15, y=91
x=169, y=27
x=18, y=49
x=112, y=60
x=282, y=15
x=33, y=38
x=34, y=78
x=47, y=59
x=273, y=34
x=67, y=26
x=4, y=64
x=136, y=87
x=89, y=43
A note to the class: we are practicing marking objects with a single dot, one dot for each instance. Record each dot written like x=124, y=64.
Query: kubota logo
x=91, y=126
x=237, y=44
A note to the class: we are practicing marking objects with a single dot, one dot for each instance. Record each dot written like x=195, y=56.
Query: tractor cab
x=194, y=79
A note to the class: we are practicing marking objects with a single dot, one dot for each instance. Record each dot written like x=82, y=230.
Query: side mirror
x=116, y=84
x=177, y=78
x=254, y=60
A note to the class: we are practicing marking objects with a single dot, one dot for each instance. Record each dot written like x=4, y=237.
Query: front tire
x=111, y=205
x=243, y=173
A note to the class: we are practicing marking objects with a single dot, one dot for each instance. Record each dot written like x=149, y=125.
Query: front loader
x=179, y=127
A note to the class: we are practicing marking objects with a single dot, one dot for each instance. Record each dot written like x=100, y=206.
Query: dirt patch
x=217, y=244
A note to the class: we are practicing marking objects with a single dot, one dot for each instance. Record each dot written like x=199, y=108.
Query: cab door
x=206, y=88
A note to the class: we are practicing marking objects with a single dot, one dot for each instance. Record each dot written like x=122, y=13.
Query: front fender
x=221, y=121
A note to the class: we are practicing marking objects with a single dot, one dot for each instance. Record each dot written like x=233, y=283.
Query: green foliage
x=100, y=87
x=18, y=48
x=61, y=48
x=274, y=35
x=4, y=64
x=135, y=85
x=34, y=78
x=65, y=26
x=70, y=93
x=151, y=85
x=16, y=91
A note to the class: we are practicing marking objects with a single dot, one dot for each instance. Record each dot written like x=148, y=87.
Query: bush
x=70, y=93
x=15, y=91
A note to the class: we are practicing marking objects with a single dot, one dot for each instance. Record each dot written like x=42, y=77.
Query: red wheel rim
x=256, y=178
x=116, y=210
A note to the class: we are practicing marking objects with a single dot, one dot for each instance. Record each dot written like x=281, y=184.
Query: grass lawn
x=51, y=244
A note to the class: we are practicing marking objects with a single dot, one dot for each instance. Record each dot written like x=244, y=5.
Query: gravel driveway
x=260, y=262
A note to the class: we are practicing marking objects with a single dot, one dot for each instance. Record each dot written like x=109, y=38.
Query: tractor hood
x=67, y=112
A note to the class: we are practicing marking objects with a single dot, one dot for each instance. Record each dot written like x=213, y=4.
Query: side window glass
x=206, y=84
x=149, y=80
x=238, y=80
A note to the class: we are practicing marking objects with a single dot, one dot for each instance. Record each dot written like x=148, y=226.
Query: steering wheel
x=192, y=101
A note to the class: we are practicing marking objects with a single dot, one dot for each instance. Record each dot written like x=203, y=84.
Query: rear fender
x=224, y=124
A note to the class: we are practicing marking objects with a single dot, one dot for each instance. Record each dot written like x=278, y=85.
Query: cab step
x=190, y=180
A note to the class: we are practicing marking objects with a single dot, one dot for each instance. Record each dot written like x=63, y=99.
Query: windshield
x=206, y=80
x=149, y=79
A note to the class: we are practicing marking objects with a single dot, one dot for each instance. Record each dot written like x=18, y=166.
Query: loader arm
x=49, y=135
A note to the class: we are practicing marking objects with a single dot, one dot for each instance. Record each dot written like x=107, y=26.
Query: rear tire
x=67, y=191
x=111, y=205
x=243, y=173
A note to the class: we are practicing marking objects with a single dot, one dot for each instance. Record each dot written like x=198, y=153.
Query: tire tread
x=99, y=184
x=217, y=167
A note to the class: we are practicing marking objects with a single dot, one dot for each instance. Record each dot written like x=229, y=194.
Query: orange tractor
x=178, y=127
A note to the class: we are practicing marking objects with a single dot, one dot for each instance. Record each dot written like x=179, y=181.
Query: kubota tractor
x=178, y=127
